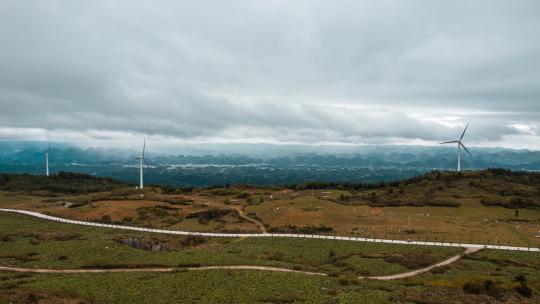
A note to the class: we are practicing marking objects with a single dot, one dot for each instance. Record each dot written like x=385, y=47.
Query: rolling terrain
x=490, y=207
x=262, y=165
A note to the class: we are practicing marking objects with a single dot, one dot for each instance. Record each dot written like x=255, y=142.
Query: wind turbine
x=47, y=160
x=459, y=145
x=141, y=159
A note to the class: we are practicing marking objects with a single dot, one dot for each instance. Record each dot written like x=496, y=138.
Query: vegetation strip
x=165, y=269
x=237, y=267
x=283, y=235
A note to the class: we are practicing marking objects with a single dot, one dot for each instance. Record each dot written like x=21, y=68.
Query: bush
x=521, y=278
x=180, y=201
x=212, y=214
x=487, y=287
x=304, y=230
x=411, y=260
x=106, y=219
x=5, y=238
x=348, y=279
x=525, y=291
x=243, y=195
x=473, y=287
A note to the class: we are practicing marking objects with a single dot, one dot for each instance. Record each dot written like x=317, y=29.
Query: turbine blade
x=467, y=150
x=146, y=162
x=448, y=142
x=144, y=145
x=49, y=148
x=463, y=134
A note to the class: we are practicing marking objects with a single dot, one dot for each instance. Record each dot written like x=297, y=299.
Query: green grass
x=84, y=246
x=91, y=247
x=201, y=287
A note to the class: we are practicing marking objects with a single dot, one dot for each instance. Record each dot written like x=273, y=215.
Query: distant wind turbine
x=47, y=160
x=459, y=145
x=141, y=159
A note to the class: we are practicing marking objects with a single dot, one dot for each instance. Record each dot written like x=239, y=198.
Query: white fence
x=279, y=235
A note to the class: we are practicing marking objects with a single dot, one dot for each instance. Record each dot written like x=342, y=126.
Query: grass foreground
x=485, y=277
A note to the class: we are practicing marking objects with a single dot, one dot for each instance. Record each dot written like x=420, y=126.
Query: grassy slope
x=445, y=286
x=204, y=287
x=92, y=247
x=472, y=221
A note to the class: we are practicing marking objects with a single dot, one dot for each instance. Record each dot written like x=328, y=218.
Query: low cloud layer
x=271, y=71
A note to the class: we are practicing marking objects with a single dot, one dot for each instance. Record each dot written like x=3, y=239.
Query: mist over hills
x=260, y=164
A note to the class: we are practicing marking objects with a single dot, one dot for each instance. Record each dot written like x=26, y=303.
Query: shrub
x=180, y=201
x=521, y=278
x=348, y=279
x=243, y=195
x=524, y=290
x=487, y=287
x=472, y=287
x=106, y=219
x=5, y=238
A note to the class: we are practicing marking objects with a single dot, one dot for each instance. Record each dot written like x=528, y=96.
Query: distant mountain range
x=258, y=164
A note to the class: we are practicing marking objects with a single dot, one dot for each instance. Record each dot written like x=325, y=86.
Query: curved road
x=470, y=248
x=282, y=235
x=254, y=221
x=239, y=267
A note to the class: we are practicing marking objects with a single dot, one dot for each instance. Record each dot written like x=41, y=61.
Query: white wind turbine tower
x=47, y=161
x=459, y=145
x=141, y=159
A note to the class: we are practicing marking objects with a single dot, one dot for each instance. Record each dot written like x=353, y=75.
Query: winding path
x=254, y=221
x=238, y=267
x=469, y=249
x=153, y=269
x=269, y=235
x=426, y=269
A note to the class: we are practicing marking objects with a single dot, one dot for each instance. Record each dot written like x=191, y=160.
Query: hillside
x=62, y=182
x=261, y=165
x=441, y=207
x=494, y=187
x=472, y=205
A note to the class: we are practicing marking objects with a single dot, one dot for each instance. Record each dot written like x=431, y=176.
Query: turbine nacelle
x=459, y=146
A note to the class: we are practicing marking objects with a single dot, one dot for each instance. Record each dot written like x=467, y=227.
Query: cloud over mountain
x=276, y=71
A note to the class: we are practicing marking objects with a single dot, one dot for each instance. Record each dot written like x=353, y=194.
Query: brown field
x=418, y=210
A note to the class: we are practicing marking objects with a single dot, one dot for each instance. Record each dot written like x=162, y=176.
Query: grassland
x=29, y=242
x=477, y=207
x=193, y=287
x=34, y=243
x=472, y=207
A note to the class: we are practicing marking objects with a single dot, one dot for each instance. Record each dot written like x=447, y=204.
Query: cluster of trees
x=62, y=182
x=431, y=175
x=525, y=177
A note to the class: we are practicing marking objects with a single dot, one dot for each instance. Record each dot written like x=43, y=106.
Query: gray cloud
x=302, y=71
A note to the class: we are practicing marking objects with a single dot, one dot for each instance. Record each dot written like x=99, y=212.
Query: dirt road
x=254, y=221
x=270, y=235
x=237, y=267
x=423, y=270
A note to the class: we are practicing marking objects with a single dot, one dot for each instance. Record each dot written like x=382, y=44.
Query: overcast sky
x=353, y=72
